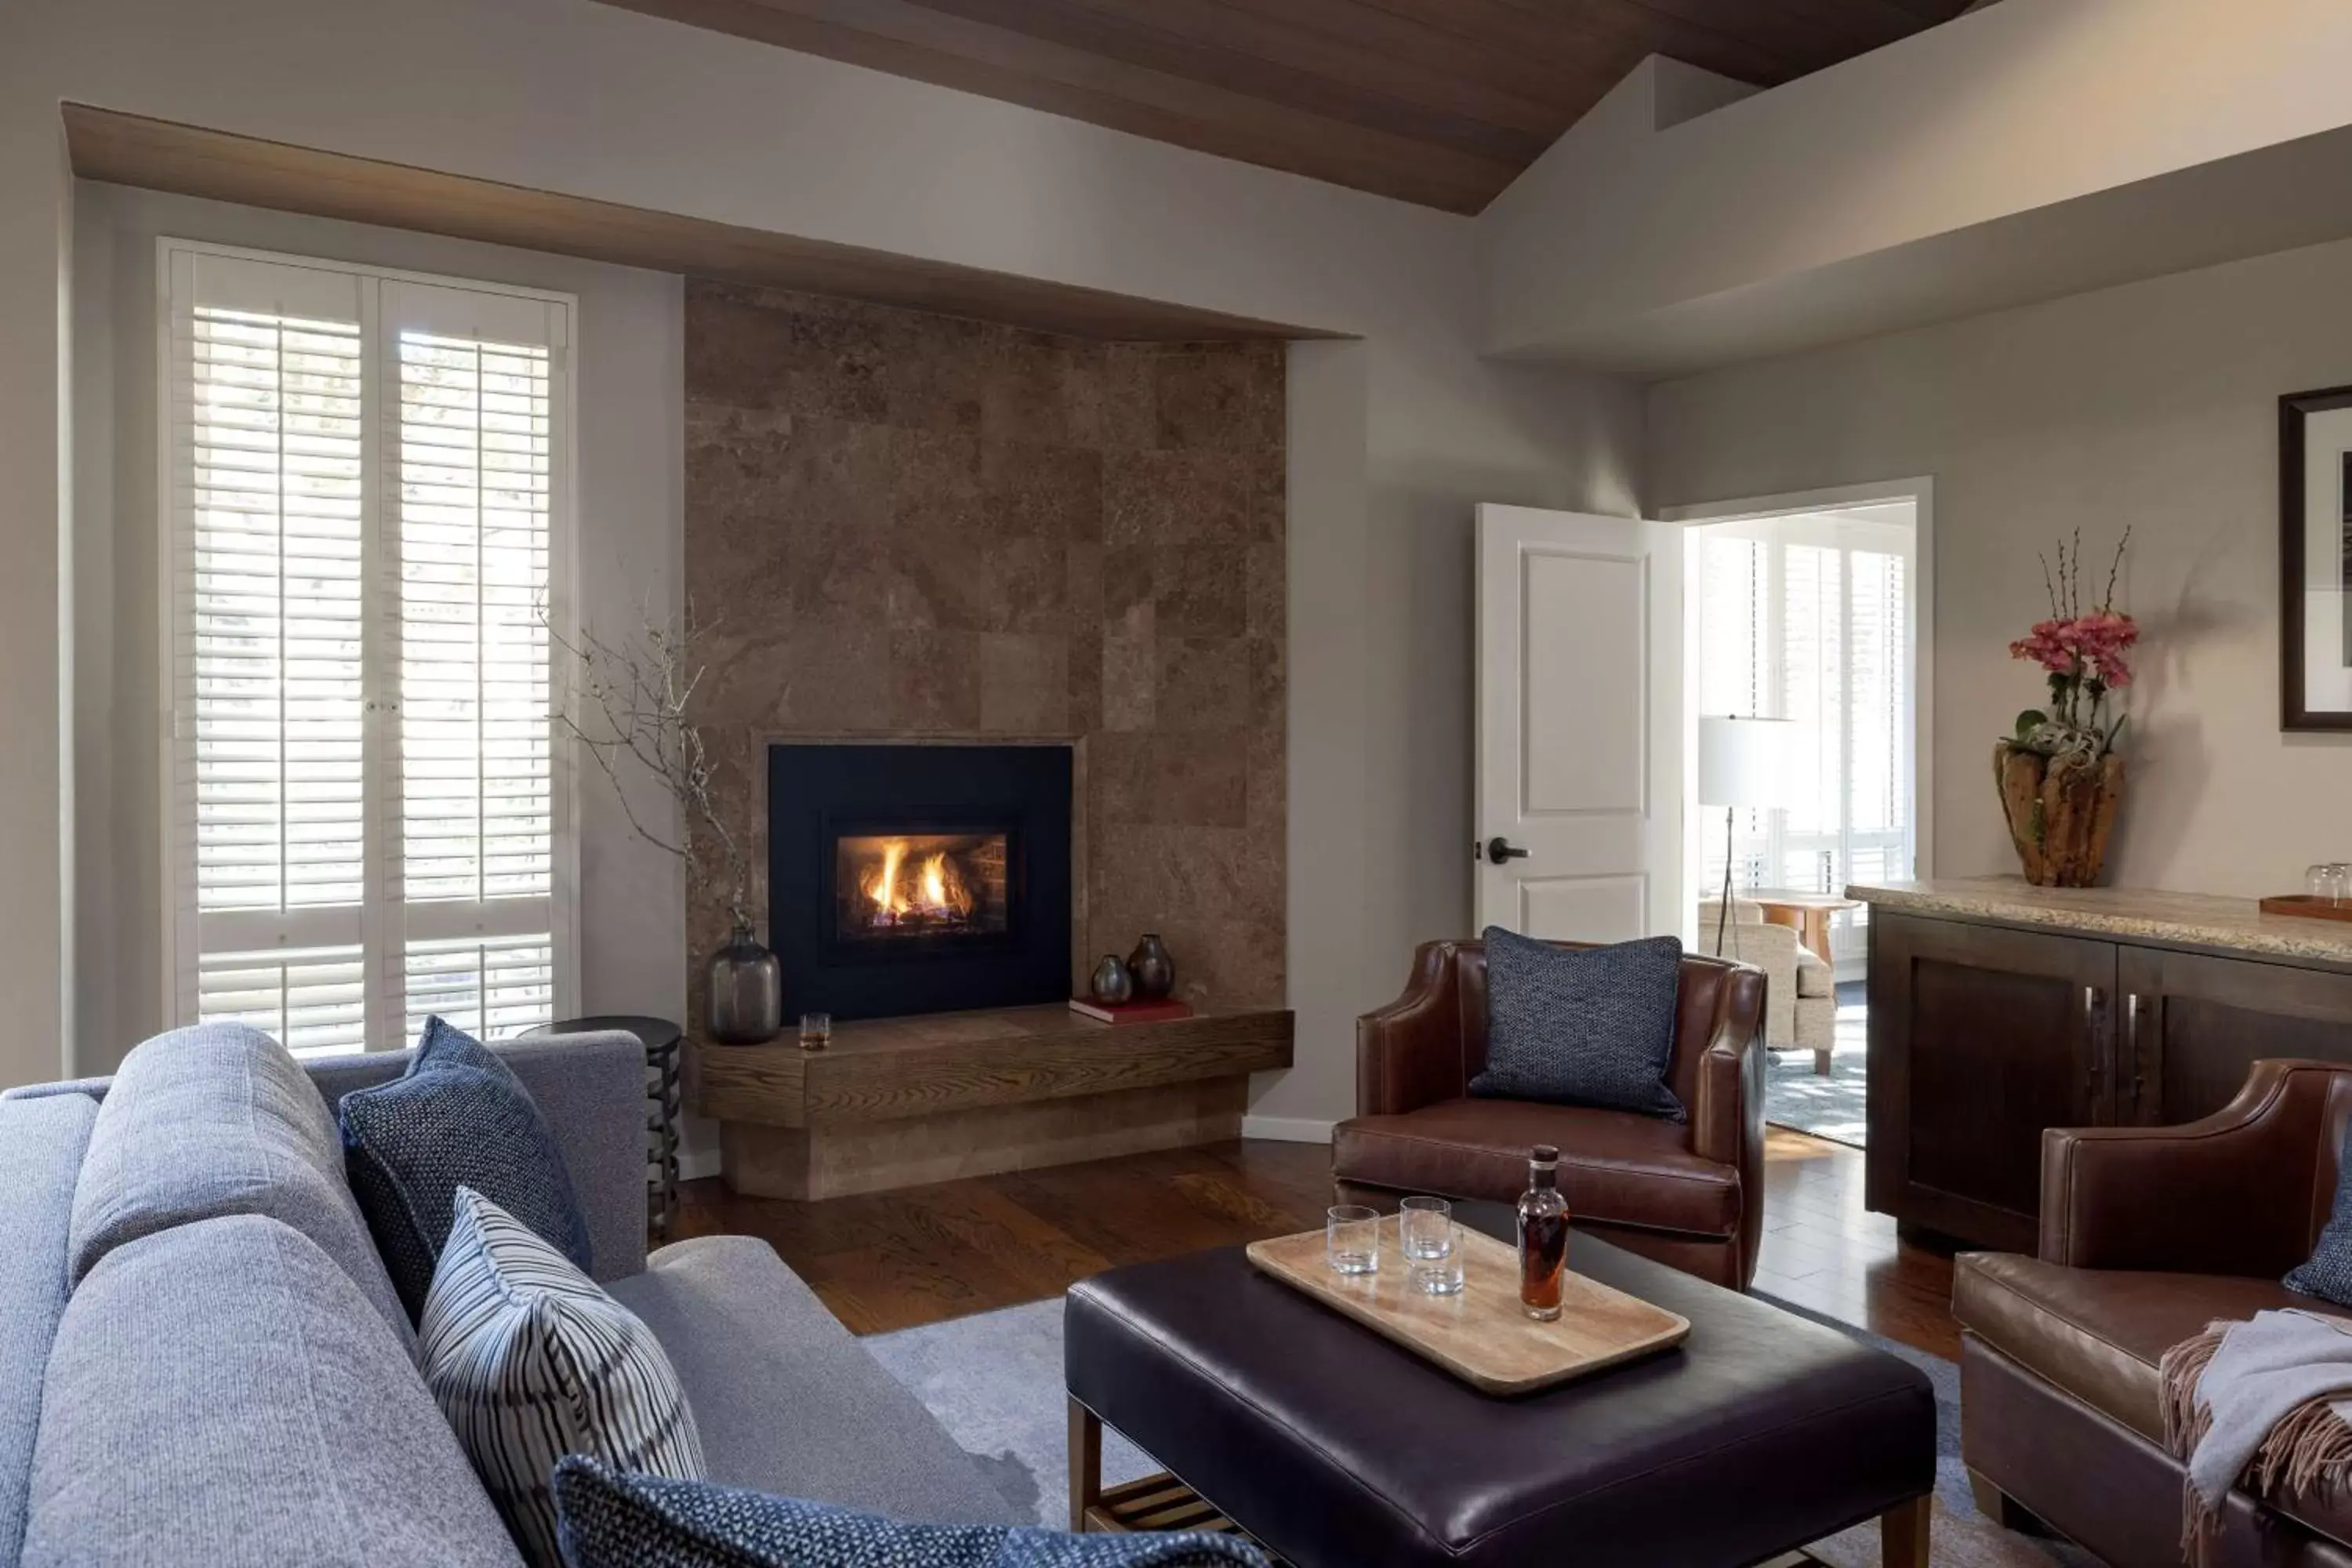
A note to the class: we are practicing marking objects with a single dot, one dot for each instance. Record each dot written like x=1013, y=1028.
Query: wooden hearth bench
x=898, y=1102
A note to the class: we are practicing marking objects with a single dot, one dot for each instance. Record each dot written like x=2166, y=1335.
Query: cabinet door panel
x=1979, y=1037
x=2193, y=1024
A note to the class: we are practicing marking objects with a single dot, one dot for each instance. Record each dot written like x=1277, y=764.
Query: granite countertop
x=2171, y=920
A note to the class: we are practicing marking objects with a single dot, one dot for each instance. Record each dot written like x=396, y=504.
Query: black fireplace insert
x=919, y=878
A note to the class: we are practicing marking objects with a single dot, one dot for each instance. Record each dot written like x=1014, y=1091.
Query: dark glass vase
x=1113, y=987
x=1153, y=969
x=746, y=992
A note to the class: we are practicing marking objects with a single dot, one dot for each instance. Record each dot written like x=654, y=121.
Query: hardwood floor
x=893, y=1260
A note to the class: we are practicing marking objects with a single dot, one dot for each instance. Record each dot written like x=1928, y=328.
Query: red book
x=1130, y=1011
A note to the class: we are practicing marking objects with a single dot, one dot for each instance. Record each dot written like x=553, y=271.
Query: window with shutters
x=1809, y=619
x=367, y=520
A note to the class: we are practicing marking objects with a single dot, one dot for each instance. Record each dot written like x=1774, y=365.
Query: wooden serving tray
x=1481, y=1336
x=2303, y=906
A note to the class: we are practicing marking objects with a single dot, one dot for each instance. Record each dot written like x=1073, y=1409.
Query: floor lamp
x=1741, y=762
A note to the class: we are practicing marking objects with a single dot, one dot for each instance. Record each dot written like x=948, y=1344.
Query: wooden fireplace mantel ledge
x=898, y=1101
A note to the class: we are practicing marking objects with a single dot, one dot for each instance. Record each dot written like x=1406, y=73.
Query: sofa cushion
x=1581, y=1026
x=457, y=1117
x=41, y=1147
x=786, y=1400
x=1614, y=1166
x=531, y=1361
x=215, y=1120
x=614, y=1519
x=220, y=1392
x=1816, y=976
x=2100, y=1333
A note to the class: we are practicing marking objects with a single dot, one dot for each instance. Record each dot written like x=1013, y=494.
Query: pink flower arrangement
x=2085, y=654
x=2089, y=647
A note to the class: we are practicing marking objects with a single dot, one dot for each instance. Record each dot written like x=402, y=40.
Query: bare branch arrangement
x=627, y=707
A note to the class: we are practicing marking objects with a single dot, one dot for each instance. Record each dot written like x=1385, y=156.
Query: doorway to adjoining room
x=1810, y=617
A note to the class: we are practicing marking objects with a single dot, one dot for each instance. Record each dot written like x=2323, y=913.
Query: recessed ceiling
x=1436, y=101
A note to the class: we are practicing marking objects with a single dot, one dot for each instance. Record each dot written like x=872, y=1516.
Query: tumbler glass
x=1351, y=1238
x=1424, y=1228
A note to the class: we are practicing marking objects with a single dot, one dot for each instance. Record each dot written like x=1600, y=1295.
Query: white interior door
x=1580, y=739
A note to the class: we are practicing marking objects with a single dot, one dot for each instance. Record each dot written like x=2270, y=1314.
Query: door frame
x=1921, y=493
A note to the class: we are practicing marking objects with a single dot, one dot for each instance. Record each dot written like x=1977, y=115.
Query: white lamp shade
x=1743, y=761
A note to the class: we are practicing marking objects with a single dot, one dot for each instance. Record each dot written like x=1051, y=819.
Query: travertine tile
x=935, y=682
x=1204, y=684
x=1024, y=684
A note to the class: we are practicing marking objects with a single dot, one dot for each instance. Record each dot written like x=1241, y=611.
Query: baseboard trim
x=1288, y=1129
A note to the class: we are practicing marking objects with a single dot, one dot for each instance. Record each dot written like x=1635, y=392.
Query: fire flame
x=935, y=889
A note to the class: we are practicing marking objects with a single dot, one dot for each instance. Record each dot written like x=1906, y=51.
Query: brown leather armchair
x=1687, y=1194
x=2147, y=1235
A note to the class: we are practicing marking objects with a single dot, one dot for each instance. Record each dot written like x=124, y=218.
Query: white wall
x=1413, y=427
x=629, y=370
x=2030, y=149
x=2152, y=405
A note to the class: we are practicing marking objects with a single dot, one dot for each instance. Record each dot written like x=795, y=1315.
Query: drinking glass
x=2340, y=875
x=2330, y=883
x=1425, y=1227
x=1351, y=1238
x=816, y=1031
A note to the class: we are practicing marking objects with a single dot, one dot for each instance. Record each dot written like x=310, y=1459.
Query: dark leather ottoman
x=1338, y=1449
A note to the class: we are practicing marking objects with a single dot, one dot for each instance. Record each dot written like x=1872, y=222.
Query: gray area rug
x=994, y=1381
x=1832, y=1107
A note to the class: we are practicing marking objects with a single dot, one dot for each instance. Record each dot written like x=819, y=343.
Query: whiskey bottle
x=1543, y=1235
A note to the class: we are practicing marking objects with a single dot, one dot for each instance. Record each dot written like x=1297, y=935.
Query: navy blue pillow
x=1582, y=1026
x=2328, y=1273
x=457, y=1117
x=611, y=1518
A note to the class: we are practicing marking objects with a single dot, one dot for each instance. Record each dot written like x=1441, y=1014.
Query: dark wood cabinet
x=1983, y=1034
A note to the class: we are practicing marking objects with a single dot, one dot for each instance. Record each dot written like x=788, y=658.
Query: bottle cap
x=1545, y=1154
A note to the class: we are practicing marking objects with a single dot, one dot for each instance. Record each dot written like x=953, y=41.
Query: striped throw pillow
x=531, y=1361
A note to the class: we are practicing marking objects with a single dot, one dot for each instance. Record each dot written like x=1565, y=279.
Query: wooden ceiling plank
x=1551, y=31
x=1166, y=35
x=153, y=154
x=1808, y=34
x=1396, y=56
x=909, y=39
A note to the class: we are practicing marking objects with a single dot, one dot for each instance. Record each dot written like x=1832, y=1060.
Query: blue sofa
x=195, y=1364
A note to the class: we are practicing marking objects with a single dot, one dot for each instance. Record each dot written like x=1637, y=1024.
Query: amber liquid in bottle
x=1543, y=1235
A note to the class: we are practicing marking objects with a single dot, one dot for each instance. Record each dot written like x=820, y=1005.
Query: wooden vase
x=2059, y=810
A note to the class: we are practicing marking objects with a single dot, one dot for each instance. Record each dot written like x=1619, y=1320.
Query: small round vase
x=1154, y=969
x=747, y=993
x=1112, y=985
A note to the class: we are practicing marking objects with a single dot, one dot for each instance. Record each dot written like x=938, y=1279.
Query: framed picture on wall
x=2315, y=560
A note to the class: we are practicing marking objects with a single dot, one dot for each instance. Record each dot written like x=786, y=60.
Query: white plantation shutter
x=367, y=517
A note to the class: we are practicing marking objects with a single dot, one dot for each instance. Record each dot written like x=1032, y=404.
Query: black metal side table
x=661, y=1038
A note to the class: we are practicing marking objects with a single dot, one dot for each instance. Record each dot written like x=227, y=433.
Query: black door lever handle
x=1500, y=849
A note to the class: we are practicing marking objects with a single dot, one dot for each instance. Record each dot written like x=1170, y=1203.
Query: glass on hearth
x=1543, y=1235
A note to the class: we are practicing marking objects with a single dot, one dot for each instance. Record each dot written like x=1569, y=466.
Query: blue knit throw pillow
x=1581, y=1026
x=609, y=1519
x=2328, y=1273
x=457, y=1117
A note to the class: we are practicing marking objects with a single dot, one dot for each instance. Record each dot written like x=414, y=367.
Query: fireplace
x=919, y=878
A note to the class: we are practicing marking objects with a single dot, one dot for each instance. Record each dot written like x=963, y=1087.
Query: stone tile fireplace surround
x=912, y=527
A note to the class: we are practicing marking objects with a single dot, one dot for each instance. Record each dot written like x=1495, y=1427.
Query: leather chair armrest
x=2233, y=1194
x=1409, y=1053
x=1727, y=1124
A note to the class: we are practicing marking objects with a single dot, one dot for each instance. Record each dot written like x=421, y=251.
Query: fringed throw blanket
x=2268, y=1400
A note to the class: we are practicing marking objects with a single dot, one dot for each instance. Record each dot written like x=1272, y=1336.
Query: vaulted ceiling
x=1436, y=101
